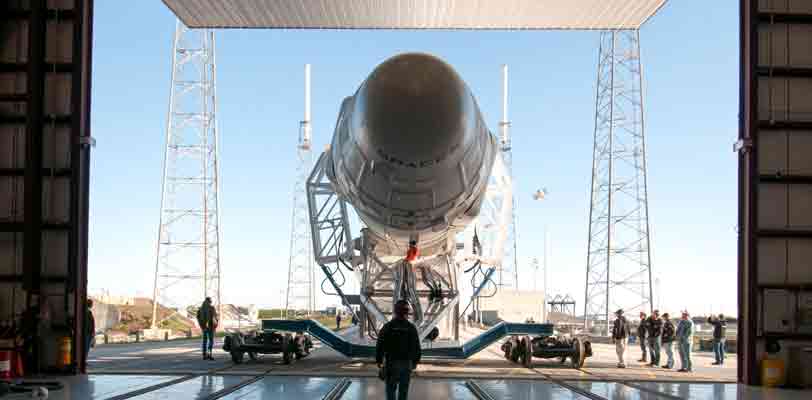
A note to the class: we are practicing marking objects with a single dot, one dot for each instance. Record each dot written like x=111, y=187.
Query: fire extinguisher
x=5, y=364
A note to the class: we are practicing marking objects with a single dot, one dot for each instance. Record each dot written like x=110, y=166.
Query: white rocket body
x=412, y=154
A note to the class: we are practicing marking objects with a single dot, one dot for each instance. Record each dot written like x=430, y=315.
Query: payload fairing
x=412, y=154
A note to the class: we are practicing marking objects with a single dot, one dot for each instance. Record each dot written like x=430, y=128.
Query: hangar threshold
x=120, y=387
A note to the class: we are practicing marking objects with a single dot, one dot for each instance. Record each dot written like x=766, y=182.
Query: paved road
x=183, y=357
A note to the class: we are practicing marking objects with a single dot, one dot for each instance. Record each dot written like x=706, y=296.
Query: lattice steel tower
x=187, y=266
x=618, y=259
x=300, y=294
x=509, y=271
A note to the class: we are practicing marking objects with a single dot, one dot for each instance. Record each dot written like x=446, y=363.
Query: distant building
x=233, y=316
x=107, y=298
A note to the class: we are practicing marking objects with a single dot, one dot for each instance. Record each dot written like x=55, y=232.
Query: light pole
x=544, y=275
x=540, y=195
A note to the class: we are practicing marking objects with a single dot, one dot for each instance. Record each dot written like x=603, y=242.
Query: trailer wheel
x=237, y=356
x=286, y=350
x=527, y=359
x=252, y=355
x=507, y=347
x=578, y=353
x=515, y=350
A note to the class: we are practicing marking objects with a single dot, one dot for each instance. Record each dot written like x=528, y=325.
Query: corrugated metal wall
x=44, y=160
x=775, y=243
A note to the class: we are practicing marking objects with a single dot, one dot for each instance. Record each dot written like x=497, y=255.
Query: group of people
x=656, y=333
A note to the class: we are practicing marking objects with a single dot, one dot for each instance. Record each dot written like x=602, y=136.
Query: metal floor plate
x=373, y=388
x=528, y=390
x=284, y=387
x=195, y=388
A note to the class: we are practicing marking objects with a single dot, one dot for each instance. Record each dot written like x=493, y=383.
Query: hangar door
x=44, y=160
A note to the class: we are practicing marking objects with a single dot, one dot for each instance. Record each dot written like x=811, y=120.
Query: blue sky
x=691, y=79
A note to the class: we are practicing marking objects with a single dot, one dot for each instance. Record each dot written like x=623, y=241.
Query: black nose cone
x=413, y=110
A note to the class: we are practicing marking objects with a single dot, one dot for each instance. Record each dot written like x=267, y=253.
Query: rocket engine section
x=412, y=154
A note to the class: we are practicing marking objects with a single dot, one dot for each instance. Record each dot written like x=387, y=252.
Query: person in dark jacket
x=719, y=331
x=90, y=327
x=398, y=352
x=641, y=336
x=655, y=329
x=669, y=331
x=338, y=321
x=620, y=336
x=207, y=319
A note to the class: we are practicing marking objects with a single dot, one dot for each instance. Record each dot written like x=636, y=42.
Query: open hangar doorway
x=44, y=175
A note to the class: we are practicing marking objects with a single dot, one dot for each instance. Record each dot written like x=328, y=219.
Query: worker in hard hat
x=398, y=352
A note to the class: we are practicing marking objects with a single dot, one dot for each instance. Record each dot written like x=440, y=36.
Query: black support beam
x=784, y=72
x=785, y=125
x=785, y=233
x=18, y=14
x=25, y=67
x=32, y=233
x=785, y=18
x=57, y=172
x=786, y=179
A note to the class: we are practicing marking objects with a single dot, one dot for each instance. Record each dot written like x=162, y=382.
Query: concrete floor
x=183, y=357
x=232, y=387
x=176, y=370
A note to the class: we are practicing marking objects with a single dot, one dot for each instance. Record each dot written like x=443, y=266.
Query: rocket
x=412, y=154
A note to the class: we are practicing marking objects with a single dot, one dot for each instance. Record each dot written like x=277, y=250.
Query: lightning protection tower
x=618, y=258
x=509, y=271
x=187, y=266
x=300, y=294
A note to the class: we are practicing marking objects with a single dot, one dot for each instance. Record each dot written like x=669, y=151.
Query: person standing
x=398, y=352
x=90, y=327
x=207, y=319
x=685, y=337
x=719, y=332
x=338, y=321
x=620, y=336
x=655, y=329
x=669, y=331
x=641, y=336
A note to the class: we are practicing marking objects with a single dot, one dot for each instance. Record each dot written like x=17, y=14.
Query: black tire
x=237, y=357
x=515, y=350
x=286, y=349
x=227, y=343
x=252, y=355
x=527, y=359
x=562, y=359
x=579, y=353
x=301, y=350
x=507, y=347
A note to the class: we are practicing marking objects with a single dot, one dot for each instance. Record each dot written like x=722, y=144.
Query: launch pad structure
x=334, y=246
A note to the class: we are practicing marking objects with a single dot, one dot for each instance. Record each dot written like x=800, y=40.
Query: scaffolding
x=300, y=296
x=618, y=259
x=187, y=266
